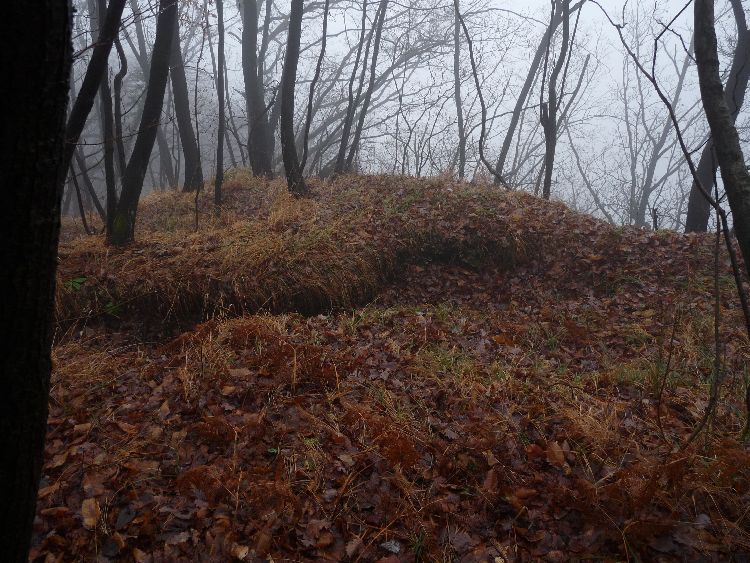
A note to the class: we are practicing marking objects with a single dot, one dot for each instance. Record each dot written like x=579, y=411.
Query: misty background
x=617, y=156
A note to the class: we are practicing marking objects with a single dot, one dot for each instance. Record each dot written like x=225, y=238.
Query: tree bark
x=549, y=110
x=699, y=209
x=36, y=61
x=259, y=137
x=193, y=169
x=108, y=125
x=726, y=140
x=95, y=72
x=123, y=227
x=117, y=88
x=294, y=179
x=457, y=95
x=222, y=117
x=165, y=158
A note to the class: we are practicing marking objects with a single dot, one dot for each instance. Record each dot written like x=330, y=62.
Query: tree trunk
x=222, y=118
x=350, y=107
x=549, y=112
x=36, y=61
x=117, y=87
x=123, y=228
x=288, y=147
x=108, y=130
x=259, y=138
x=699, y=209
x=193, y=169
x=370, y=87
x=726, y=140
x=90, y=191
x=316, y=77
x=95, y=72
x=523, y=95
x=457, y=96
x=164, y=154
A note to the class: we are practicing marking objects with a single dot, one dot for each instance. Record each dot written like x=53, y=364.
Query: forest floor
x=392, y=370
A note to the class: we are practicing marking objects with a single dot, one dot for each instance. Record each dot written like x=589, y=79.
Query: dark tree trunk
x=90, y=191
x=699, y=209
x=36, y=61
x=259, y=137
x=288, y=147
x=108, y=128
x=95, y=72
x=719, y=115
x=165, y=158
x=222, y=118
x=67, y=198
x=108, y=134
x=193, y=170
x=123, y=227
x=117, y=87
x=548, y=111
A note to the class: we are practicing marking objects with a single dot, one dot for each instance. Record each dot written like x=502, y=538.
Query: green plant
x=75, y=284
x=113, y=309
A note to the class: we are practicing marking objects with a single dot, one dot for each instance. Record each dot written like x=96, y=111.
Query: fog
x=617, y=155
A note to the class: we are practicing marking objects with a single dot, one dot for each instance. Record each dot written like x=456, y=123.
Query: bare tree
x=193, y=169
x=457, y=94
x=554, y=23
x=123, y=226
x=288, y=147
x=220, y=83
x=95, y=73
x=141, y=53
x=259, y=134
x=378, y=29
x=316, y=77
x=548, y=110
x=351, y=108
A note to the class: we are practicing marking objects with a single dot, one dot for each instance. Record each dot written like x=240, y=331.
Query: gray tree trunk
x=193, y=168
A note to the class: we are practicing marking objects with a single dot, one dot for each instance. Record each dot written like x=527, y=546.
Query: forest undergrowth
x=391, y=370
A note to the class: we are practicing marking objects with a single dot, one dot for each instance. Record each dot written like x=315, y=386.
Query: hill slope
x=395, y=370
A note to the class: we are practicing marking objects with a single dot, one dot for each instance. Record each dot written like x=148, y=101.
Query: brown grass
x=270, y=251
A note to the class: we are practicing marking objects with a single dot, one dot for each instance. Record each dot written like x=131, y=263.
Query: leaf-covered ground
x=477, y=376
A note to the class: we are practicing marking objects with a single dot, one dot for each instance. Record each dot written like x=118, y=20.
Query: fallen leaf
x=90, y=512
x=353, y=547
x=46, y=491
x=240, y=551
x=555, y=454
x=164, y=410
